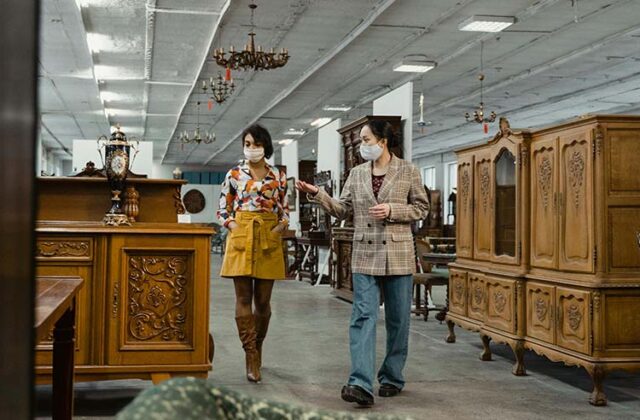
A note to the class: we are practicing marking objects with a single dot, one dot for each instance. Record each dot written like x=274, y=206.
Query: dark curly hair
x=261, y=137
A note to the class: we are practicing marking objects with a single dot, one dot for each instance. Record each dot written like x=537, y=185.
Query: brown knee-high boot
x=262, y=325
x=247, y=332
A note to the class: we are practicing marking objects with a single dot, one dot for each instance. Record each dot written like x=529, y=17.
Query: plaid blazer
x=381, y=247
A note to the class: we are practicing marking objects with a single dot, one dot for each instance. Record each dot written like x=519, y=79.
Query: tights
x=250, y=292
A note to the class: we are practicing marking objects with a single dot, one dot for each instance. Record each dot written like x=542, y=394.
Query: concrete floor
x=306, y=362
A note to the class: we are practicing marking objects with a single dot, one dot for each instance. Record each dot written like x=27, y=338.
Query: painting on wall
x=291, y=193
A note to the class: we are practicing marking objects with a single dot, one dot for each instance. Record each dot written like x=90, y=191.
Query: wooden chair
x=425, y=278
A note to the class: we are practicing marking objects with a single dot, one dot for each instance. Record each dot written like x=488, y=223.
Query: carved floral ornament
x=576, y=175
x=541, y=309
x=499, y=301
x=478, y=295
x=465, y=180
x=459, y=290
x=157, y=297
x=485, y=181
x=63, y=248
x=575, y=316
x=545, y=170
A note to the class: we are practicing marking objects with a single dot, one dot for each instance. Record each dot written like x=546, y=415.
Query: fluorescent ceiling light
x=123, y=112
x=341, y=108
x=99, y=42
x=105, y=72
x=319, y=122
x=295, y=132
x=485, y=23
x=107, y=96
x=285, y=142
x=412, y=65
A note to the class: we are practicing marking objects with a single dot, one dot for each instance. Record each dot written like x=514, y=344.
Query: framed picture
x=291, y=193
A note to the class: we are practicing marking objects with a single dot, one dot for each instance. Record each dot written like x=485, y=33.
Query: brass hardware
x=638, y=237
x=115, y=302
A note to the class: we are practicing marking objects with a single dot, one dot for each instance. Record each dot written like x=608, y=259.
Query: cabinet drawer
x=458, y=292
x=501, y=304
x=573, y=319
x=540, y=303
x=476, y=303
x=59, y=248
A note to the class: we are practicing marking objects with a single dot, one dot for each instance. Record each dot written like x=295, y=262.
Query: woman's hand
x=278, y=229
x=306, y=188
x=380, y=211
x=232, y=226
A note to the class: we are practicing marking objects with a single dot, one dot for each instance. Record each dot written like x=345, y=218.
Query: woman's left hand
x=278, y=229
x=380, y=211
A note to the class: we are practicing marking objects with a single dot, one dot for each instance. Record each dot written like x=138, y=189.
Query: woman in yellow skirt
x=253, y=207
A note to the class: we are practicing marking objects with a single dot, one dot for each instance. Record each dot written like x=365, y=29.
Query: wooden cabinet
x=554, y=261
x=143, y=309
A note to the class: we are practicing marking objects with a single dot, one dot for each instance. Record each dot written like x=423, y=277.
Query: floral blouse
x=240, y=192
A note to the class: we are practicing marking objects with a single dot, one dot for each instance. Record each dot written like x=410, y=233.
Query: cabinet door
x=573, y=320
x=540, y=311
x=464, y=209
x=483, y=207
x=576, y=203
x=158, y=300
x=476, y=303
x=506, y=176
x=544, y=203
x=501, y=304
x=458, y=292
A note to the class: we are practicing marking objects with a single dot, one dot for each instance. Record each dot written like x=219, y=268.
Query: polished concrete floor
x=306, y=362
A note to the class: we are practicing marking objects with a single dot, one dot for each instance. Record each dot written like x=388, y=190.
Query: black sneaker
x=356, y=394
x=388, y=390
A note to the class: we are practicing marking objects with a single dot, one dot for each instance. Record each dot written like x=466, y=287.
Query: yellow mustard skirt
x=252, y=249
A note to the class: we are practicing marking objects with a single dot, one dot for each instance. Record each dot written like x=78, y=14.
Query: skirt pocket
x=238, y=239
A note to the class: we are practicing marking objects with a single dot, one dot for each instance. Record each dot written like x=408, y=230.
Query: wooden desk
x=55, y=309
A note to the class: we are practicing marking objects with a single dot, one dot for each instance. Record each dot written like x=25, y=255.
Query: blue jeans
x=397, y=292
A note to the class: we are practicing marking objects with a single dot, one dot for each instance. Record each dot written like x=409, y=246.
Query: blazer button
x=384, y=242
x=368, y=224
x=370, y=242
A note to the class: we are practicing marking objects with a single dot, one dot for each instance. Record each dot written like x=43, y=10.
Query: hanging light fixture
x=251, y=57
x=197, y=138
x=478, y=114
x=219, y=88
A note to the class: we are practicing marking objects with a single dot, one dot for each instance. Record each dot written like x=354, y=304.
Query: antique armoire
x=342, y=237
x=548, y=244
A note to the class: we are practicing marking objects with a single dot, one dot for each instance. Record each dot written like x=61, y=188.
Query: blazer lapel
x=389, y=179
x=368, y=182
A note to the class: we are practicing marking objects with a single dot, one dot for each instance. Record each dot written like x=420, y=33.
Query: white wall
x=289, y=156
x=399, y=102
x=211, y=195
x=87, y=150
x=330, y=151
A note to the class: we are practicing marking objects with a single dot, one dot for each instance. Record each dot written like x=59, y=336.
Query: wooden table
x=55, y=309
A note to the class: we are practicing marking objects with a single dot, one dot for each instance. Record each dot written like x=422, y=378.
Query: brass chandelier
x=478, y=114
x=220, y=88
x=197, y=138
x=250, y=57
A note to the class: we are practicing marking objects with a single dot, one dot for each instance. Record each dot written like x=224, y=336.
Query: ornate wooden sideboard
x=143, y=310
x=548, y=244
x=342, y=237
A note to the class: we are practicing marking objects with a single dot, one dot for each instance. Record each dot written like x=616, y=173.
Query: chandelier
x=221, y=88
x=250, y=57
x=197, y=138
x=478, y=114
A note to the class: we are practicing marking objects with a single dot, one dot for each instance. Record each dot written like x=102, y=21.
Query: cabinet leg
x=159, y=377
x=598, y=396
x=451, y=338
x=518, y=351
x=486, y=350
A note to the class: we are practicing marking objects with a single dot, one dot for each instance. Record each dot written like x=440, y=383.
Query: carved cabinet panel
x=540, y=303
x=458, y=292
x=476, y=300
x=544, y=203
x=501, y=304
x=575, y=202
x=573, y=319
x=483, y=208
x=464, y=208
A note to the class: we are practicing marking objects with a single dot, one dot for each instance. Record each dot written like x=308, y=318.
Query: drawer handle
x=638, y=238
x=115, y=301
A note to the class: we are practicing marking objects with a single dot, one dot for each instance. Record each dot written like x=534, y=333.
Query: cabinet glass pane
x=505, y=196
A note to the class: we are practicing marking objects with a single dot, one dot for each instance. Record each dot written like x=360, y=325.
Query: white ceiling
x=543, y=69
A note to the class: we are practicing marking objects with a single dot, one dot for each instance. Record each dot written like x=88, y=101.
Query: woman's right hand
x=306, y=188
x=232, y=226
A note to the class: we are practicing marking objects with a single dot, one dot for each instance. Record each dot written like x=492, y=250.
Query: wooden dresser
x=548, y=244
x=143, y=310
x=342, y=237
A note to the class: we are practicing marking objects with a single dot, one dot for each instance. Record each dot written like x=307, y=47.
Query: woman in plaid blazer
x=384, y=196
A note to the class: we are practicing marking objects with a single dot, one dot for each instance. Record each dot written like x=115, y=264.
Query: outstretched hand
x=306, y=188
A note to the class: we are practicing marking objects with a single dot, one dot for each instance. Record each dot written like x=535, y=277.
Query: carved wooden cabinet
x=343, y=236
x=143, y=310
x=549, y=228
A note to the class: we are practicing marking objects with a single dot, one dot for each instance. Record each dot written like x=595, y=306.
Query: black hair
x=384, y=130
x=261, y=137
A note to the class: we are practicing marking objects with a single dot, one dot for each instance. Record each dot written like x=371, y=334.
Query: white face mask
x=372, y=152
x=254, y=155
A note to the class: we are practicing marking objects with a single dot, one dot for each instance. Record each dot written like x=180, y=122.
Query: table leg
x=63, y=355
